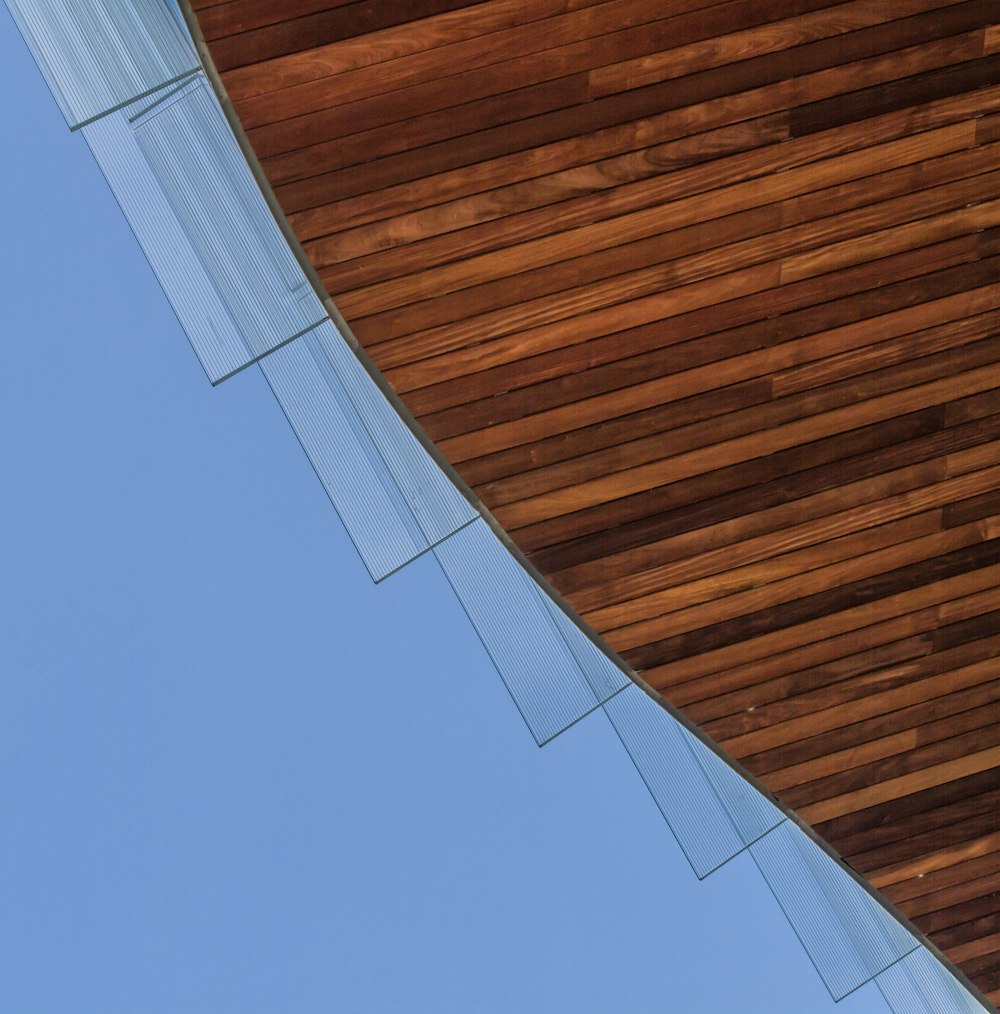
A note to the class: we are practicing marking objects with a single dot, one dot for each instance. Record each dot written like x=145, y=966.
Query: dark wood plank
x=799, y=611
x=797, y=427
x=804, y=388
x=467, y=84
x=778, y=723
x=865, y=205
x=518, y=392
x=969, y=889
x=941, y=847
x=799, y=485
x=895, y=825
x=874, y=826
x=826, y=752
x=908, y=761
x=735, y=96
x=941, y=880
x=652, y=515
x=264, y=31
x=702, y=337
x=902, y=628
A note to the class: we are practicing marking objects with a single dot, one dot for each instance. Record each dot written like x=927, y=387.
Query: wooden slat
x=941, y=880
x=623, y=123
x=988, y=944
x=256, y=31
x=648, y=515
x=874, y=827
x=523, y=391
x=852, y=653
x=948, y=897
x=470, y=83
x=937, y=848
x=837, y=749
x=805, y=181
x=673, y=239
x=946, y=771
x=770, y=558
x=718, y=341
x=799, y=430
x=810, y=371
x=686, y=563
x=896, y=687
x=507, y=188
x=765, y=589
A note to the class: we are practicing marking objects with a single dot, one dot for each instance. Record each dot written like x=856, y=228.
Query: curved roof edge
x=213, y=75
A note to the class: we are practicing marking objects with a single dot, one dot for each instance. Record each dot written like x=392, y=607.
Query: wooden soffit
x=701, y=299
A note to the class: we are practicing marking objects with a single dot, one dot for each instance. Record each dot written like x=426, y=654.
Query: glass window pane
x=848, y=935
x=548, y=665
x=713, y=812
x=920, y=984
x=393, y=499
x=98, y=55
x=204, y=225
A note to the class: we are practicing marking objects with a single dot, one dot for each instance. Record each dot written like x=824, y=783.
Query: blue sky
x=234, y=774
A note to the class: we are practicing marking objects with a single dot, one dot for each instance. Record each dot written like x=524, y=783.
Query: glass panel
x=751, y=813
x=204, y=226
x=713, y=812
x=393, y=499
x=529, y=645
x=920, y=984
x=436, y=505
x=98, y=55
x=603, y=676
x=848, y=935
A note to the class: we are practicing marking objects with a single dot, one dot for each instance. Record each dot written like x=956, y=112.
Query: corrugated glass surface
x=920, y=984
x=848, y=936
x=751, y=813
x=393, y=499
x=711, y=810
x=603, y=676
x=183, y=184
x=526, y=642
x=98, y=55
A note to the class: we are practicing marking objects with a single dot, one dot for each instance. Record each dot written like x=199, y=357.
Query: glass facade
x=394, y=501
x=99, y=55
x=193, y=204
x=552, y=685
x=712, y=811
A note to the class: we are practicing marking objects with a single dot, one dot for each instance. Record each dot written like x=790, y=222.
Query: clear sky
x=235, y=776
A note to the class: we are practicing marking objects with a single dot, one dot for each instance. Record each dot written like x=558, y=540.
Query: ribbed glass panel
x=848, y=936
x=98, y=55
x=187, y=192
x=712, y=811
x=751, y=813
x=602, y=675
x=920, y=984
x=526, y=642
x=393, y=499
x=436, y=505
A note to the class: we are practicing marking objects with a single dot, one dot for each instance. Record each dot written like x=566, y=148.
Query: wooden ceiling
x=701, y=298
